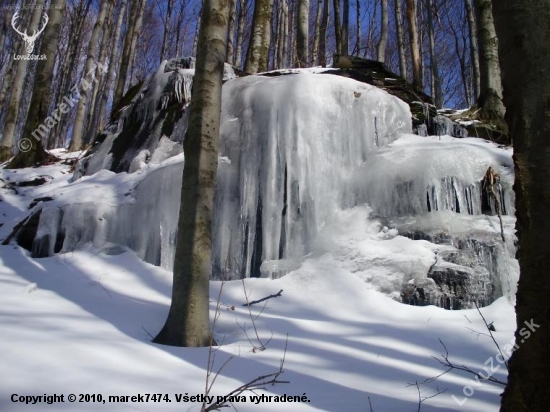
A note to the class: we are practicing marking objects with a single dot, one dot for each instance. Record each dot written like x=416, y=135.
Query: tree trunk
x=167, y=22
x=258, y=48
x=79, y=124
x=317, y=33
x=6, y=24
x=135, y=38
x=187, y=323
x=437, y=93
x=474, y=54
x=522, y=27
x=302, y=36
x=490, y=95
x=383, y=43
x=345, y=29
x=323, y=35
x=16, y=86
x=337, y=27
x=126, y=53
x=112, y=75
x=282, y=35
x=240, y=34
x=31, y=149
x=400, y=45
x=415, y=48
x=358, y=31
x=231, y=31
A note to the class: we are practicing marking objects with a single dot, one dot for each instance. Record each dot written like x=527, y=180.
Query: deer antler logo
x=26, y=38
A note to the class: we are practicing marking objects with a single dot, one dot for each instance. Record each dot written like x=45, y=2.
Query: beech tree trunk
x=415, y=47
x=231, y=32
x=240, y=34
x=437, y=92
x=400, y=45
x=317, y=33
x=187, y=323
x=522, y=27
x=31, y=148
x=16, y=86
x=345, y=29
x=302, y=36
x=474, y=53
x=358, y=30
x=257, y=57
x=323, y=34
x=167, y=22
x=337, y=27
x=490, y=95
x=79, y=122
x=383, y=43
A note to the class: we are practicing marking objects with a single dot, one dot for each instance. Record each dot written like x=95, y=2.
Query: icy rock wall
x=291, y=145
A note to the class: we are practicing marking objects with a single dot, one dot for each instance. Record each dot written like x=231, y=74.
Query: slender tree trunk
x=302, y=36
x=135, y=38
x=316, y=34
x=415, y=48
x=164, y=46
x=358, y=31
x=281, y=35
x=126, y=53
x=79, y=122
x=112, y=75
x=240, y=34
x=435, y=75
x=474, y=53
x=345, y=29
x=337, y=27
x=400, y=45
x=490, y=96
x=231, y=32
x=31, y=149
x=383, y=43
x=196, y=38
x=286, y=33
x=187, y=323
x=522, y=27
x=258, y=48
x=323, y=35
x=6, y=23
x=14, y=105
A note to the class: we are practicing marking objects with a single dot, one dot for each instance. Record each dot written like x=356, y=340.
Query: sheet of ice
x=293, y=143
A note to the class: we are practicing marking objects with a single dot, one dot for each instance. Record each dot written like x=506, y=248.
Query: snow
x=80, y=323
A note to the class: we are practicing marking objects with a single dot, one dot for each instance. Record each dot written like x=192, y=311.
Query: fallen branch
x=262, y=299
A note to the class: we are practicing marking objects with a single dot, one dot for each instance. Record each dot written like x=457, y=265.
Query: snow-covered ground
x=81, y=323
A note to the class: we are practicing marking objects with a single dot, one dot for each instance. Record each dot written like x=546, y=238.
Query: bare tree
x=317, y=33
x=358, y=28
x=323, y=34
x=522, y=27
x=91, y=60
x=490, y=95
x=435, y=76
x=167, y=20
x=474, y=53
x=32, y=151
x=231, y=32
x=302, y=37
x=337, y=27
x=400, y=45
x=188, y=323
x=258, y=48
x=383, y=43
x=241, y=17
x=414, y=44
x=345, y=29
x=38, y=22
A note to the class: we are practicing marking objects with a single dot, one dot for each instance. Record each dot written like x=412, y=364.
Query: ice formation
x=309, y=164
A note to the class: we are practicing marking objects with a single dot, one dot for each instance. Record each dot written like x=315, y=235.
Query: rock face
x=296, y=151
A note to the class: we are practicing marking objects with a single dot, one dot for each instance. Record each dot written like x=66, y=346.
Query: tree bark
x=167, y=22
x=258, y=49
x=437, y=93
x=231, y=32
x=490, y=95
x=337, y=27
x=187, y=323
x=345, y=29
x=415, y=48
x=79, y=122
x=522, y=27
x=474, y=53
x=302, y=36
x=400, y=45
x=383, y=43
x=135, y=38
x=323, y=34
x=358, y=31
x=240, y=34
x=316, y=34
x=31, y=149
x=16, y=86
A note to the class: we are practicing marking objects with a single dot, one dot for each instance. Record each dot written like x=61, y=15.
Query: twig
x=492, y=336
x=146, y=331
x=261, y=300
